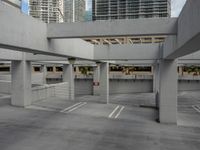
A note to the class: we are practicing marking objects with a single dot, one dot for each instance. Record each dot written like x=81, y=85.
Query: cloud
x=177, y=6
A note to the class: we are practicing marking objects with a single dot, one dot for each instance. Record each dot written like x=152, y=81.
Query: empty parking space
x=189, y=108
x=90, y=128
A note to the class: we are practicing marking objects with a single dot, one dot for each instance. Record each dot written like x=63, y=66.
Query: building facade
x=130, y=9
x=88, y=12
x=74, y=10
x=49, y=11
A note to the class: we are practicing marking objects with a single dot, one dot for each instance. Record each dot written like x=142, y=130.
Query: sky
x=177, y=6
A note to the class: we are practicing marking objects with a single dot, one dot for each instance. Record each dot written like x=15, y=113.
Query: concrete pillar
x=104, y=82
x=168, y=91
x=156, y=77
x=44, y=71
x=96, y=80
x=21, y=83
x=68, y=76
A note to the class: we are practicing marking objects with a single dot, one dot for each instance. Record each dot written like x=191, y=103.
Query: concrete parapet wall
x=5, y=87
x=37, y=78
x=124, y=86
x=42, y=92
x=58, y=90
x=62, y=90
x=83, y=86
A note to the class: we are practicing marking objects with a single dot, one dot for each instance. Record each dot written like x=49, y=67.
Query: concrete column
x=44, y=71
x=104, y=82
x=156, y=77
x=168, y=91
x=68, y=76
x=96, y=80
x=21, y=83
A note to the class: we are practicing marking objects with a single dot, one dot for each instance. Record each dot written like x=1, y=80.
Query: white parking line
x=119, y=112
x=70, y=107
x=113, y=111
x=196, y=107
x=76, y=107
x=116, y=112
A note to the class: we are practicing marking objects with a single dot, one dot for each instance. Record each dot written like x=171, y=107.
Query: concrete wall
x=42, y=92
x=37, y=78
x=189, y=85
x=130, y=86
x=62, y=90
x=83, y=86
x=5, y=87
x=58, y=90
x=125, y=86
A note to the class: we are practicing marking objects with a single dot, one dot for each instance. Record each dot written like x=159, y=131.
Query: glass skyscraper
x=130, y=9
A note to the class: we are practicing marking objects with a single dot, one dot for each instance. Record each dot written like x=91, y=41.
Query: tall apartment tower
x=49, y=11
x=74, y=12
x=130, y=9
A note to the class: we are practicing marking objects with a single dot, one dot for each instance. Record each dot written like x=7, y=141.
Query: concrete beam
x=127, y=52
x=7, y=55
x=153, y=26
x=27, y=34
x=188, y=37
x=38, y=57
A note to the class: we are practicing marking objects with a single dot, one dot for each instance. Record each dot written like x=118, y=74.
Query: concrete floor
x=46, y=126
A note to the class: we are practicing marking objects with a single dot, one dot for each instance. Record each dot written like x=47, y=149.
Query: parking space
x=189, y=109
x=90, y=128
x=88, y=123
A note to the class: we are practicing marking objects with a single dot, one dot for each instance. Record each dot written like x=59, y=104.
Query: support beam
x=21, y=83
x=6, y=54
x=127, y=52
x=188, y=37
x=96, y=80
x=168, y=91
x=104, y=82
x=68, y=76
x=128, y=27
x=27, y=34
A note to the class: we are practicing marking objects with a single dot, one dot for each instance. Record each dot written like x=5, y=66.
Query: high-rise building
x=74, y=10
x=49, y=11
x=88, y=12
x=130, y=9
